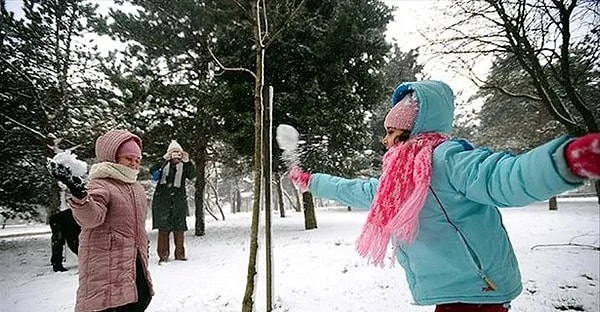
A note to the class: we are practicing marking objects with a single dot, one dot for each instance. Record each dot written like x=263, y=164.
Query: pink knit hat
x=129, y=148
x=108, y=144
x=403, y=114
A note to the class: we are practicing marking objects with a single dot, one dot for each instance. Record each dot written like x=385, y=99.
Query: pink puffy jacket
x=113, y=233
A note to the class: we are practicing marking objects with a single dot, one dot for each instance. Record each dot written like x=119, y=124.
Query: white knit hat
x=175, y=147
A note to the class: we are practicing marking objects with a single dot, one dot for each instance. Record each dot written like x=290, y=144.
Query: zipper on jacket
x=491, y=285
x=135, y=213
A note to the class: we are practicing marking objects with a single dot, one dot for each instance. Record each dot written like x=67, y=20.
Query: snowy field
x=316, y=270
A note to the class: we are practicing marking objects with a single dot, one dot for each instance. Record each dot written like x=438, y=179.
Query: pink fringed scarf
x=400, y=195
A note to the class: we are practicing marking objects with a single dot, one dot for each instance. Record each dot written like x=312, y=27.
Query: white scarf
x=178, y=174
x=114, y=171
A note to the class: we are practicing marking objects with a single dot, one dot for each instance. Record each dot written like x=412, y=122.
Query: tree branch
x=282, y=26
x=511, y=94
x=37, y=133
x=566, y=245
x=229, y=68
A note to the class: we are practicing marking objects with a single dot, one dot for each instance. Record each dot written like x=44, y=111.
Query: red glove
x=299, y=178
x=583, y=156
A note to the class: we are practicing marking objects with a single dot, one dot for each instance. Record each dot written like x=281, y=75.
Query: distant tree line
x=181, y=70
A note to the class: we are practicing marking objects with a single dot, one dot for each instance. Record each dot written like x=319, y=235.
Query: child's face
x=393, y=136
x=176, y=156
x=132, y=162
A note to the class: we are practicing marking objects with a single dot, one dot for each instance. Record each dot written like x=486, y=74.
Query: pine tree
x=41, y=62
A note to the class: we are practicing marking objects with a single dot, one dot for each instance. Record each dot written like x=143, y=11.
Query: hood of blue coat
x=436, y=105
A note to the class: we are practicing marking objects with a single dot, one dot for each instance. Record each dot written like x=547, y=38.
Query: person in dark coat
x=65, y=230
x=169, y=204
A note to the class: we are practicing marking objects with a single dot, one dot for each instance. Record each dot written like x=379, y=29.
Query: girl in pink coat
x=113, y=244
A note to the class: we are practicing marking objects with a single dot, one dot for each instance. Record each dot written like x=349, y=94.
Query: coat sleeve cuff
x=78, y=203
x=561, y=165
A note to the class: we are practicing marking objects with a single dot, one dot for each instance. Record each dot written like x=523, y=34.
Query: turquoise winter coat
x=462, y=246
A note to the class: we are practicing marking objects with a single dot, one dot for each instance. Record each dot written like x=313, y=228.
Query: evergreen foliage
x=327, y=70
x=327, y=74
x=42, y=102
x=519, y=123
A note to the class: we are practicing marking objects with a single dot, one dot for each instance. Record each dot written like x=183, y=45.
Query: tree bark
x=267, y=183
x=298, y=202
x=238, y=200
x=552, y=203
x=200, y=160
x=597, y=187
x=310, y=219
x=248, y=301
x=279, y=197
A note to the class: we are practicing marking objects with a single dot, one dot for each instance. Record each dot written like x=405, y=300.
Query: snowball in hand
x=78, y=167
x=287, y=137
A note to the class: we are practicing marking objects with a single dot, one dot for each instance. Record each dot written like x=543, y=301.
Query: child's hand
x=299, y=178
x=583, y=156
x=64, y=175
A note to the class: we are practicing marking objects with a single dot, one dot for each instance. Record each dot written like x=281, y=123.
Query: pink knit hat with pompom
x=403, y=114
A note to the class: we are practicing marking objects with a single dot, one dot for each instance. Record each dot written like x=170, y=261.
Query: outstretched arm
x=506, y=180
x=356, y=193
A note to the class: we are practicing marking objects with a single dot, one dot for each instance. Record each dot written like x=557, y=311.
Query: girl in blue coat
x=437, y=200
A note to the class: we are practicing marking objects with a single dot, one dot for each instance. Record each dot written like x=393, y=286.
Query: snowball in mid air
x=287, y=137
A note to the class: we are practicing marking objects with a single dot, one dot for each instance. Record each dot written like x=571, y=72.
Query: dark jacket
x=65, y=230
x=169, y=204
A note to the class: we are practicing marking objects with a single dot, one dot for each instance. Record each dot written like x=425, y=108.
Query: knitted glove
x=155, y=175
x=63, y=174
x=299, y=178
x=583, y=156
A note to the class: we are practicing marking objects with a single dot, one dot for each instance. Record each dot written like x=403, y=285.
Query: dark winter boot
x=163, y=246
x=58, y=267
x=179, y=249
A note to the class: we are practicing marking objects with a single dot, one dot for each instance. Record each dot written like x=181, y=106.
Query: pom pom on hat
x=129, y=148
x=403, y=114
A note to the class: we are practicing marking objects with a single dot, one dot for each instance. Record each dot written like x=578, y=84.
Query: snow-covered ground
x=315, y=270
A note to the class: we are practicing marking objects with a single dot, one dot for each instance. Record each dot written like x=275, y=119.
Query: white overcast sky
x=409, y=17
x=412, y=16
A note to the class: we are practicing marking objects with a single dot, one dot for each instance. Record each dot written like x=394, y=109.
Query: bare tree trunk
x=216, y=193
x=238, y=200
x=279, y=196
x=200, y=160
x=310, y=219
x=53, y=194
x=248, y=301
x=298, y=202
x=54, y=200
x=209, y=210
x=597, y=187
x=295, y=205
x=552, y=203
x=256, y=15
x=268, y=182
